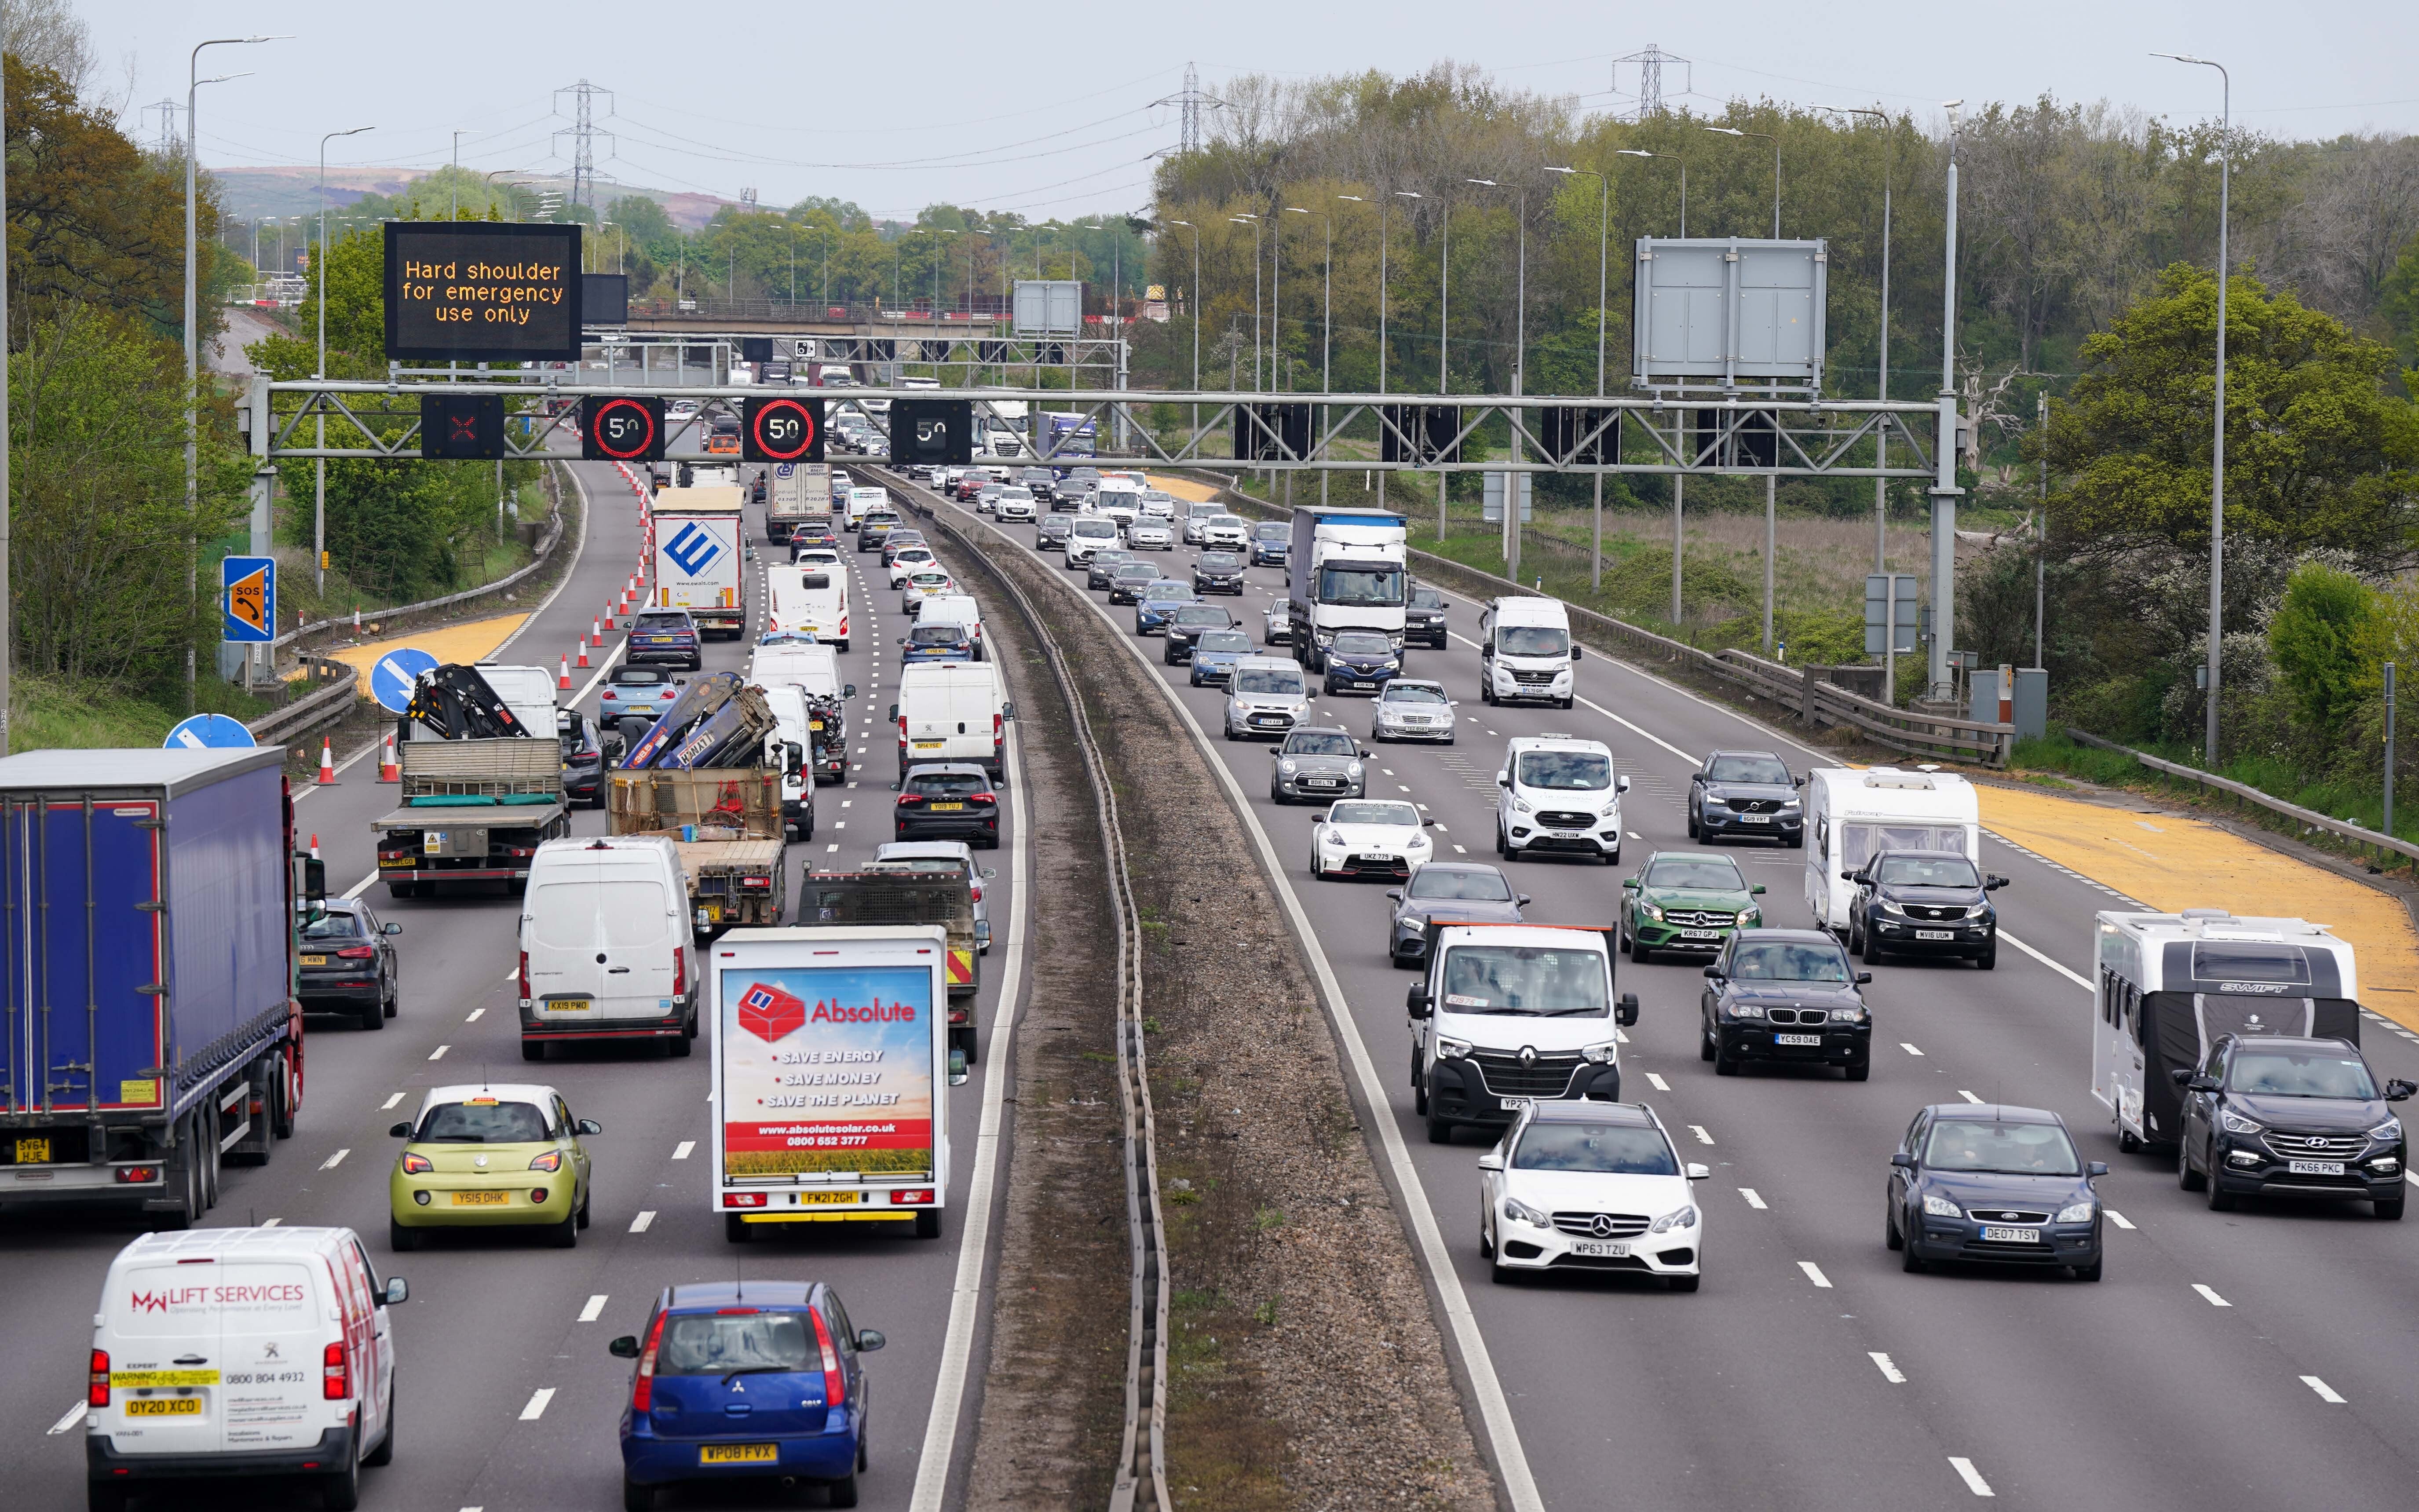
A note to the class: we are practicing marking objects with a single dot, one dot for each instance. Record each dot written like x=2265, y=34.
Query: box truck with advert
x=830, y=1057
x=801, y=494
x=698, y=557
x=147, y=964
x=1349, y=572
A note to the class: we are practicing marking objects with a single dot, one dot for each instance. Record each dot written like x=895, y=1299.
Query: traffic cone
x=327, y=766
x=596, y=631
x=562, y=678
x=389, y=771
x=583, y=655
x=314, y=847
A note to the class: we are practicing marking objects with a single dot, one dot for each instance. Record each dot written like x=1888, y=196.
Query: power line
x=1650, y=64
x=583, y=135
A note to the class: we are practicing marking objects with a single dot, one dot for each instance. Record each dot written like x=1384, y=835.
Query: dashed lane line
x=1657, y=1083
x=1973, y=1478
x=2210, y=1295
x=1814, y=1273
x=1699, y=1130
x=72, y=1416
x=535, y=1407
x=389, y=1102
x=594, y=1309
x=1967, y=1096
x=639, y=1224
x=1908, y=1048
x=680, y=1151
x=335, y=1160
x=2326, y=1392
x=1890, y=1372
x=1754, y=1198
x=2118, y=1218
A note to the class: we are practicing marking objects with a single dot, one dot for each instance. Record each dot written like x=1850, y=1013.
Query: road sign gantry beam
x=1700, y=436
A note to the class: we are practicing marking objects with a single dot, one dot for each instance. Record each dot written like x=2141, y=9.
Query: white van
x=814, y=669
x=952, y=711
x=259, y=1351
x=528, y=691
x=810, y=597
x=605, y=944
x=789, y=706
x=1525, y=652
x=860, y=500
x=1853, y=816
x=1090, y=534
x=955, y=608
x=1118, y=500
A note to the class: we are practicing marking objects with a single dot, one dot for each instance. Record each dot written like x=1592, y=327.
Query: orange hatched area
x=2171, y=863
x=1184, y=489
x=447, y=643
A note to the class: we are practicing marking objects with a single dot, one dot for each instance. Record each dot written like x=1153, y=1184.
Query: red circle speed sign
x=783, y=430
x=624, y=430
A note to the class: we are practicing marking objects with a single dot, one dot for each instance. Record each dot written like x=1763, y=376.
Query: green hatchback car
x=487, y=1156
x=1686, y=901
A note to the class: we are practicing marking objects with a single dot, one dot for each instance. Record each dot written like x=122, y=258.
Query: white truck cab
x=1526, y=654
x=1511, y=1014
x=1558, y=792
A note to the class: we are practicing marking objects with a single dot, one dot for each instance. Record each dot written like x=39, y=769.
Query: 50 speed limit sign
x=781, y=430
x=622, y=428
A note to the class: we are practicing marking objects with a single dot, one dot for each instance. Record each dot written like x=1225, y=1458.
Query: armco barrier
x=332, y=699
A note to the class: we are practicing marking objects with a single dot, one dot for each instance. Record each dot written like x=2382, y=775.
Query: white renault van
x=251, y=1351
x=952, y=711
x=1525, y=652
x=606, y=951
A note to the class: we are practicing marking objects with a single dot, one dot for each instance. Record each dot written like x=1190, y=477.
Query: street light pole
x=2217, y=428
x=319, y=422
x=1326, y=323
x=1444, y=329
x=1519, y=375
x=1381, y=285
x=1195, y=301
x=1603, y=267
x=1944, y=490
x=1880, y=384
x=1253, y=222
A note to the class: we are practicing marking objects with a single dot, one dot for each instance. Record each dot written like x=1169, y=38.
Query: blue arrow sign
x=207, y=731
x=392, y=679
x=248, y=599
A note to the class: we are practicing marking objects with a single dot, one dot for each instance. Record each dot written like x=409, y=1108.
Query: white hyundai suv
x=1582, y=1186
x=1557, y=793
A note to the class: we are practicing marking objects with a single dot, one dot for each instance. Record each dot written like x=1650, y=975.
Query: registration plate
x=568, y=1005
x=928, y=745
x=482, y=1199
x=1700, y=935
x=1363, y=684
x=947, y=808
x=164, y=1407
x=315, y=960
x=739, y=1454
x=1755, y=819
x=1602, y=1249
x=33, y=1151
x=1935, y=934
x=1798, y=1038
x=828, y=1199
x=2299, y=1167
x=2012, y=1236
x=1514, y=1104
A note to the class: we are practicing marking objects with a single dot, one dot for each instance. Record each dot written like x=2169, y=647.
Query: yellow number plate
x=33, y=1151
x=928, y=744
x=164, y=1407
x=948, y=808
x=315, y=960
x=482, y=1199
x=739, y=1454
x=827, y=1199
x=568, y=1005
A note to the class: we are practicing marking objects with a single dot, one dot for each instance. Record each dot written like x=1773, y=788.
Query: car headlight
x=550, y=1161
x=1417, y=841
x=1520, y=1213
x=1354, y=770
x=1331, y=837
x=1714, y=800
x=1752, y=916
x=1787, y=804
x=1287, y=765
x=1978, y=911
x=2233, y=1123
x=1886, y=907
x=1451, y=1049
x=1684, y=1218
x=1744, y=1010
x=1611, y=811
x=1651, y=911
x=2078, y=1212
x=2388, y=1131
x=1520, y=805
x=1602, y=1055
x=416, y=1165
x=1939, y=1207
x=1846, y=1015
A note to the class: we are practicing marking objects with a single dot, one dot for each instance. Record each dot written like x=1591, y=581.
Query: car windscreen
x=1234, y=641
x=2300, y=1073
x=1268, y=680
x=334, y=925
x=1319, y=743
x=1749, y=769
x=2007, y=1148
x=1359, y=643
x=662, y=622
x=1224, y=523
x=1192, y=614
x=1095, y=529
x=720, y=1342
x=482, y=1123
x=1577, y=771
x=1268, y=530
x=1468, y=886
x=936, y=635
x=1624, y=1149
x=1371, y=586
x=1220, y=561
x=1544, y=980
x=1414, y=693
x=1926, y=871
x=1709, y=873
x=1532, y=639
x=1136, y=572
x=1168, y=588
x=1426, y=598
x=947, y=784
x=1374, y=813
x=1788, y=961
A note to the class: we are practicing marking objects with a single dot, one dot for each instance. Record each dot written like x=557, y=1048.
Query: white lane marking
x=537, y=1406
x=2211, y=1296
x=335, y=1160
x=1967, y=1096
x=2118, y=1218
x=359, y=887
x=1460, y=849
x=840, y=823
x=1890, y=1372
x=1699, y=1130
x=74, y=1415
x=1814, y=1273
x=2326, y=1392
x=639, y=1224
x=1658, y=1082
x=513, y=972
x=1754, y=1198
x=1637, y=730
x=680, y=1151
x=2083, y=982
x=830, y=849
x=438, y=1054
x=389, y=1102
x=594, y=1309
x=1908, y=1048
x=1974, y=1481
x=474, y=1015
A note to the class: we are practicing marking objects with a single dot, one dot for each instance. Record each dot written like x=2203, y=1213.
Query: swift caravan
x=1853, y=816
x=809, y=597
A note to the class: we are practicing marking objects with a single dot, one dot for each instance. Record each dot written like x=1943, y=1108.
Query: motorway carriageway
x=2256, y=1358
x=505, y=1395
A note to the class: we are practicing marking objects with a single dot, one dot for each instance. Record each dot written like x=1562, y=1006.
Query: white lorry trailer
x=1348, y=572
x=698, y=557
x=801, y=494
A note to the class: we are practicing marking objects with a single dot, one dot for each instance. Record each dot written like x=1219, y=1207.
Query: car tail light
x=835, y=1388
x=908, y=1195
x=525, y=988
x=998, y=732
x=907, y=798
x=548, y=1160
x=642, y=1388
x=744, y=1199
x=992, y=798
x=96, y=1393
x=357, y=952
x=416, y=1165
x=335, y=1373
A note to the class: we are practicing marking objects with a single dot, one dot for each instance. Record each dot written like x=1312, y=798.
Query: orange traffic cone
x=327, y=764
x=583, y=655
x=595, y=628
x=389, y=770
x=314, y=847
x=562, y=678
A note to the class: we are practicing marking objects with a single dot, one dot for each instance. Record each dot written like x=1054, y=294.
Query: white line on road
x=335, y=1160
x=474, y=1015
x=1974, y=1481
x=389, y=1102
x=74, y=1416
x=1908, y=1048
x=1658, y=1082
x=438, y=1054
x=271, y=1222
x=1754, y=1198
x=639, y=1224
x=1459, y=850
x=2081, y=981
x=1699, y=1130
x=536, y=1407
x=830, y=849
x=1890, y=1372
x=2118, y=1218
x=680, y=1151
x=2326, y=1392
x=1967, y=1096
x=594, y=1309
x=2213, y=1298
x=511, y=972
x=359, y=887
x=1814, y=1273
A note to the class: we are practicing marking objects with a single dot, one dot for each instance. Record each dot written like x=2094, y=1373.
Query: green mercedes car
x=1686, y=901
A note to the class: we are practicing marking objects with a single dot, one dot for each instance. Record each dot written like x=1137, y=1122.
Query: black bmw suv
x=2268, y=1115
x=1923, y=903
x=1785, y=994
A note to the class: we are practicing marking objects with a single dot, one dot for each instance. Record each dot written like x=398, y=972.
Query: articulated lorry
x=148, y=967
x=699, y=556
x=898, y=895
x=801, y=495
x=1347, y=571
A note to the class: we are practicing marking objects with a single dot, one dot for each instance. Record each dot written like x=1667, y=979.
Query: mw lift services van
x=830, y=1058
x=2170, y=985
x=1853, y=815
x=252, y=1353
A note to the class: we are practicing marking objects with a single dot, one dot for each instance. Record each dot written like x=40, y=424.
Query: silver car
x=1265, y=697
x=1412, y=709
x=1151, y=535
x=1280, y=626
x=940, y=855
x=1316, y=764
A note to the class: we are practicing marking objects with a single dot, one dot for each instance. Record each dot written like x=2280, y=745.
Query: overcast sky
x=1049, y=110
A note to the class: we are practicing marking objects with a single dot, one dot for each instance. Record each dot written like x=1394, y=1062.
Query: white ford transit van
x=255, y=1351
x=605, y=944
x=1525, y=652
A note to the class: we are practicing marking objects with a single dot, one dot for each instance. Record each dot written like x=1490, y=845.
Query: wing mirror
x=989, y=873
x=1579, y=653
x=400, y=1131
x=625, y=1347
x=1850, y=876
x=1903, y=1161
x=1361, y=752
x=1698, y=1171
x=1994, y=883
x=391, y=929
x=1621, y=784
x=1629, y=884
x=1519, y=900
x=1625, y=1012
x=590, y=1126
x=848, y=691
x=1797, y=781
x=1503, y=779
x=1395, y=893
x=1490, y=1162
x=2202, y=1084
x=982, y=931
x=2396, y=1090
x=894, y=711
x=1715, y=971
x=2097, y=1168
x=1757, y=891
x=870, y=1339
x=1864, y=979
x=1415, y=1002
x=1007, y=710
x=398, y=1290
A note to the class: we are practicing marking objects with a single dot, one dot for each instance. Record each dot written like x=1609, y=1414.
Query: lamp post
x=1444, y=328
x=1944, y=487
x=1679, y=480
x=193, y=346
x=2217, y=428
x=1520, y=373
x=1326, y=325
x=1732, y=130
x=1253, y=222
x=1881, y=383
x=319, y=422
x=1603, y=257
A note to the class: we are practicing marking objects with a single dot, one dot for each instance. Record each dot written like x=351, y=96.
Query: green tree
x=2327, y=637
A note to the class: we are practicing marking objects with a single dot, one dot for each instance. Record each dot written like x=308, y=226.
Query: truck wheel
x=734, y=1228
x=928, y=1225
x=281, y=1100
x=403, y=889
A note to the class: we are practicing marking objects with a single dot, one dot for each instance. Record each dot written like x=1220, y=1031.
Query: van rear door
x=218, y=1354
x=601, y=944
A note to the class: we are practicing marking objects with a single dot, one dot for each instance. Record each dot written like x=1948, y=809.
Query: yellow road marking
x=462, y=643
